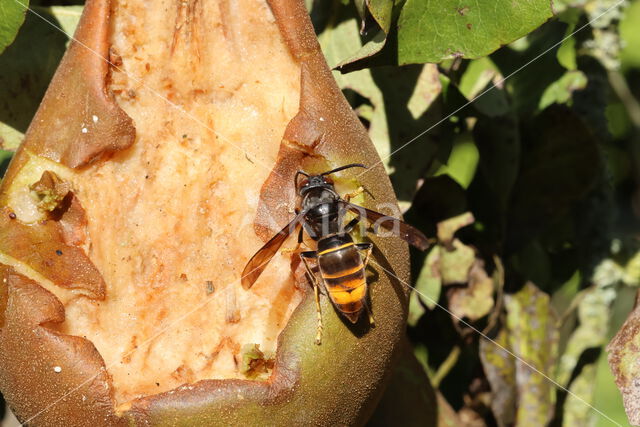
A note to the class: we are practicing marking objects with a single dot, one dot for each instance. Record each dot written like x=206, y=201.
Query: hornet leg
x=304, y=256
x=367, y=248
x=351, y=224
x=353, y=194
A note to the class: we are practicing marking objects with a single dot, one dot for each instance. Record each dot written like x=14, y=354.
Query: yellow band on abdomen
x=340, y=296
x=337, y=248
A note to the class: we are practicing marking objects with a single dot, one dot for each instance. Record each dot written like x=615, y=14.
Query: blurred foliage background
x=511, y=131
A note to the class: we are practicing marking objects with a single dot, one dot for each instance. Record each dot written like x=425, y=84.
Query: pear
x=160, y=160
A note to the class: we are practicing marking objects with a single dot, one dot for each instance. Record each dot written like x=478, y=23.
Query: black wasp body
x=340, y=261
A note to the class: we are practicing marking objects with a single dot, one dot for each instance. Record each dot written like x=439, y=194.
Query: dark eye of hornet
x=340, y=261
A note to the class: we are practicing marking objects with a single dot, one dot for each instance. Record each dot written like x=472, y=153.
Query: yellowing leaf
x=476, y=299
x=447, y=228
x=429, y=281
x=533, y=338
x=500, y=368
x=456, y=262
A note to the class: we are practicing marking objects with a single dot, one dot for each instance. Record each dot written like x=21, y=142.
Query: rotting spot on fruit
x=210, y=288
x=50, y=191
x=255, y=363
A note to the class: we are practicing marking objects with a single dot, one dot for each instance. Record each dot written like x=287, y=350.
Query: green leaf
x=416, y=309
x=462, y=162
x=429, y=281
x=564, y=298
x=533, y=339
x=67, y=17
x=477, y=85
x=525, y=87
x=478, y=74
x=5, y=156
x=309, y=5
x=567, y=52
x=431, y=31
x=632, y=271
x=561, y=91
x=618, y=122
x=630, y=54
x=12, y=15
x=26, y=68
x=382, y=12
x=361, y=7
x=10, y=138
x=395, y=101
x=359, y=60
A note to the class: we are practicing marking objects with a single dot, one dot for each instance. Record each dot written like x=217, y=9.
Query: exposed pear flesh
x=143, y=187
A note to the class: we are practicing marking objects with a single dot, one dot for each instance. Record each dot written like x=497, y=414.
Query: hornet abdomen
x=343, y=272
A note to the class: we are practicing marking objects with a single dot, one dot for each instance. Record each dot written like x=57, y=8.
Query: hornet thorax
x=323, y=213
x=322, y=206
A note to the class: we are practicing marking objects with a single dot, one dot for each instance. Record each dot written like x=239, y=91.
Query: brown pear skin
x=123, y=227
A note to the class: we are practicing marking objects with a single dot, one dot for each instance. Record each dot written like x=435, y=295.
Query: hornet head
x=320, y=181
